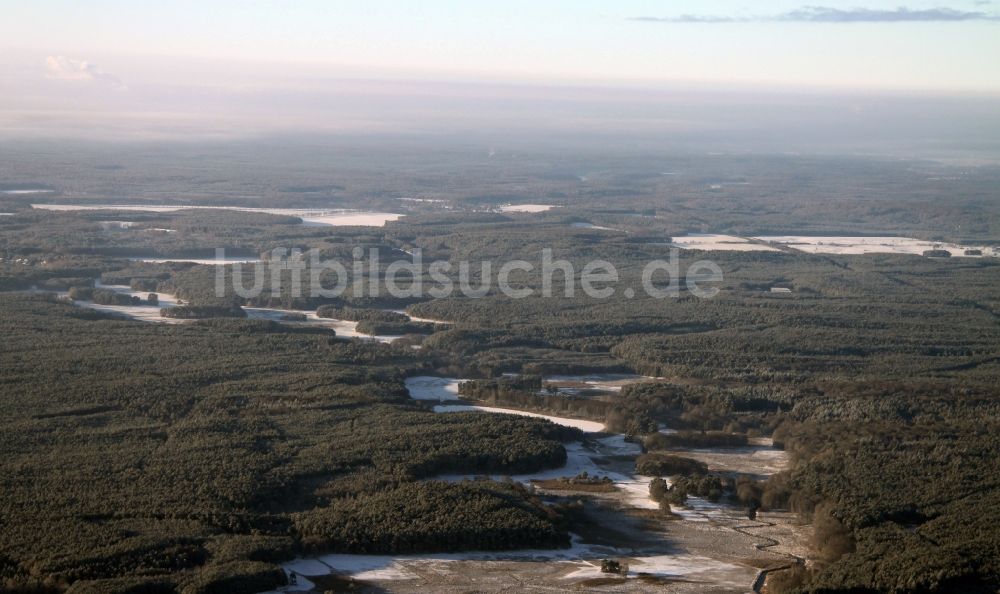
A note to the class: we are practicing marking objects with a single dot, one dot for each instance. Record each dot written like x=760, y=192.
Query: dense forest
x=225, y=443
x=193, y=457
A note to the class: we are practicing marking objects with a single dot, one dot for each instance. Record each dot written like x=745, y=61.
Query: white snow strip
x=526, y=207
x=202, y=261
x=580, y=225
x=420, y=320
x=869, y=245
x=151, y=313
x=715, y=242
x=588, y=426
x=336, y=217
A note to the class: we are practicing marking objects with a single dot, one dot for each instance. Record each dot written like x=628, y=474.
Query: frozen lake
x=868, y=245
x=526, y=207
x=336, y=217
x=203, y=261
x=843, y=245
x=712, y=241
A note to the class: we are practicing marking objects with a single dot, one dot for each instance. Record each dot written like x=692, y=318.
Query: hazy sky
x=869, y=43
x=779, y=75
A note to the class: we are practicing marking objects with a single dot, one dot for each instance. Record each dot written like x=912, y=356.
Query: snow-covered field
x=445, y=390
x=143, y=313
x=582, y=561
x=420, y=320
x=867, y=245
x=591, y=226
x=346, y=218
x=577, y=563
x=151, y=313
x=203, y=261
x=425, y=387
x=343, y=328
x=108, y=225
x=588, y=426
x=580, y=457
x=29, y=191
x=760, y=458
x=712, y=241
x=426, y=200
x=605, y=382
x=526, y=207
x=824, y=245
x=336, y=217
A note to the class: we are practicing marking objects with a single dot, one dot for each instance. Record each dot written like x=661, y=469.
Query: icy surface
x=711, y=241
x=868, y=245
x=310, y=217
x=526, y=207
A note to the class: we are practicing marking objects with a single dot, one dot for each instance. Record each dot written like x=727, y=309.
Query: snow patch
x=869, y=245
x=715, y=242
x=526, y=207
x=337, y=217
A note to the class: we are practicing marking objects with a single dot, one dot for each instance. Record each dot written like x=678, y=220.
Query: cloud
x=825, y=14
x=63, y=68
x=822, y=14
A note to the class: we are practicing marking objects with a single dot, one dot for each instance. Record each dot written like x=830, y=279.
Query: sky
x=953, y=46
x=167, y=63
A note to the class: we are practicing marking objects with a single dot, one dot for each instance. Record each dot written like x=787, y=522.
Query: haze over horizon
x=778, y=74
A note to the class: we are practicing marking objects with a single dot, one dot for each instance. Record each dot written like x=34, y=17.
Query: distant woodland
x=192, y=458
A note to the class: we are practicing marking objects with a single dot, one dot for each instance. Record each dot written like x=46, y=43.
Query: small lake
x=336, y=217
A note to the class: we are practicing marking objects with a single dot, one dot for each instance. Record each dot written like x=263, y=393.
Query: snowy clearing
x=591, y=226
x=202, y=261
x=869, y=245
x=712, y=242
x=336, y=217
x=582, y=425
x=526, y=207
